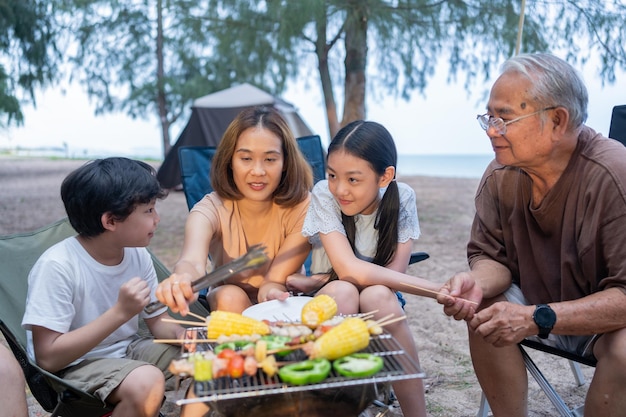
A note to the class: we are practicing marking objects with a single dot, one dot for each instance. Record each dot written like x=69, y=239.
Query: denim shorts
x=579, y=345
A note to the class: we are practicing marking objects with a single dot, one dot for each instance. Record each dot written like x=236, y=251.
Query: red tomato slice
x=226, y=353
x=235, y=366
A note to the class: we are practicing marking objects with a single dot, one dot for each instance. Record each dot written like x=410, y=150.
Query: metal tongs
x=254, y=258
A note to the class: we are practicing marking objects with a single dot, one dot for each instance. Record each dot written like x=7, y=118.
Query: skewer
x=184, y=341
x=367, y=315
x=198, y=316
x=437, y=293
x=382, y=319
x=381, y=324
x=187, y=322
x=286, y=347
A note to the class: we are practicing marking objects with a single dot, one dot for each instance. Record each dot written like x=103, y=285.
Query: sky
x=442, y=122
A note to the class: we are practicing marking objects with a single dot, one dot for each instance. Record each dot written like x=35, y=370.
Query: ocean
x=457, y=166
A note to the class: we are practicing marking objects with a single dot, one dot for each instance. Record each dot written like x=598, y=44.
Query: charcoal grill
x=260, y=395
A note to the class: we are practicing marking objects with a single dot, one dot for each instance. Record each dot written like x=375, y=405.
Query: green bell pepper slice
x=234, y=345
x=306, y=372
x=358, y=365
x=276, y=342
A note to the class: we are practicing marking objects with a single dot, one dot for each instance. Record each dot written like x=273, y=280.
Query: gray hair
x=554, y=83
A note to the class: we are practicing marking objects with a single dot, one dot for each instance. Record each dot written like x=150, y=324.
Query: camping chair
x=542, y=381
x=617, y=129
x=18, y=253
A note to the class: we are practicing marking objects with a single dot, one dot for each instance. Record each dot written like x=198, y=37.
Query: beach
x=29, y=198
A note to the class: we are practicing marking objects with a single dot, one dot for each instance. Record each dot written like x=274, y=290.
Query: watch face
x=545, y=317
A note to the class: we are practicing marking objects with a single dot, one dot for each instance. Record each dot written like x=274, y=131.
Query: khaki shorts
x=579, y=345
x=101, y=376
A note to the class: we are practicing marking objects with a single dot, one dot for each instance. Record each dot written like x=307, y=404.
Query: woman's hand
x=176, y=293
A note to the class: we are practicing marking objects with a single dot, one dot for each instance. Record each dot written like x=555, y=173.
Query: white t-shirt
x=324, y=216
x=67, y=289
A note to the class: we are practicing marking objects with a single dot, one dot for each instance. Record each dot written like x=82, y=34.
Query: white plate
x=275, y=310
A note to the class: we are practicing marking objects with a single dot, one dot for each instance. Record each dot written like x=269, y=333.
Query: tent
x=211, y=115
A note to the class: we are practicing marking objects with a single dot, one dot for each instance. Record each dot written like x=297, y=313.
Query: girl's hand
x=301, y=283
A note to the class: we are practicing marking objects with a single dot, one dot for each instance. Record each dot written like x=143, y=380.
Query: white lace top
x=324, y=216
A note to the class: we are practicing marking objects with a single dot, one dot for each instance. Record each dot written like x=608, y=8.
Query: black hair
x=112, y=185
x=373, y=143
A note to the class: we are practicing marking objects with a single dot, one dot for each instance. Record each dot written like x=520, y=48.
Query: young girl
x=362, y=223
x=261, y=186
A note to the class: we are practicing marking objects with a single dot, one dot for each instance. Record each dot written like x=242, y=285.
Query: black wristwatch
x=545, y=318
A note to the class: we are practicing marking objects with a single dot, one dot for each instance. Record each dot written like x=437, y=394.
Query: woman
x=261, y=186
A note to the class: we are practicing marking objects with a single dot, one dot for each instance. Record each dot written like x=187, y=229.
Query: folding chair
x=311, y=148
x=195, y=165
x=542, y=381
x=18, y=253
x=617, y=129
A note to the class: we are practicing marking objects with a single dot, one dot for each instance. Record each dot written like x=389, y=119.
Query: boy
x=87, y=293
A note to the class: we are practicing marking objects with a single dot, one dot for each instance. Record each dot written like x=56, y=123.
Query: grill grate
x=397, y=366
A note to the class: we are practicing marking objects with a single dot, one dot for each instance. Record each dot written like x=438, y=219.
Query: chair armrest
x=418, y=257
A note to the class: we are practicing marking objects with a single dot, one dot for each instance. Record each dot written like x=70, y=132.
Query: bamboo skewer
x=184, y=341
x=187, y=322
x=198, y=316
x=382, y=319
x=286, y=348
x=384, y=323
x=368, y=315
x=437, y=293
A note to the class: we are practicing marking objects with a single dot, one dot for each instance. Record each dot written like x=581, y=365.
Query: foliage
x=406, y=40
x=146, y=57
x=153, y=57
x=28, y=56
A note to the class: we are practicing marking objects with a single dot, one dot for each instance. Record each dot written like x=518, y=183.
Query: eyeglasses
x=486, y=120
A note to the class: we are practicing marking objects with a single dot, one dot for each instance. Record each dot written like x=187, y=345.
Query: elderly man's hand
x=462, y=296
x=504, y=323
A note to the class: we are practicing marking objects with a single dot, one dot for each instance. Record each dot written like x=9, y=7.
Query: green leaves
x=28, y=55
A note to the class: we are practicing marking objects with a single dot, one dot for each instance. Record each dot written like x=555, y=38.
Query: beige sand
x=29, y=198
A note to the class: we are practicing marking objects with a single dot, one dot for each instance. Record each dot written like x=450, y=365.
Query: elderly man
x=547, y=251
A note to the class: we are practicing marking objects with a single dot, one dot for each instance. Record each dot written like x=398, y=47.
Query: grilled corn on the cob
x=350, y=336
x=227, y=323
x=319, y=309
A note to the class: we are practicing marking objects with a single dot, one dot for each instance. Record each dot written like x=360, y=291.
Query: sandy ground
x=29, y=198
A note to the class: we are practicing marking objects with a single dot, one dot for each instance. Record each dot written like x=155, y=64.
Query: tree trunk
x=160, y=80
x=355, y=63
x=321, y=50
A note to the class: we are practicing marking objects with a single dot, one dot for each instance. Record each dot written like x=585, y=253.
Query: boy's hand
x=134, y=295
